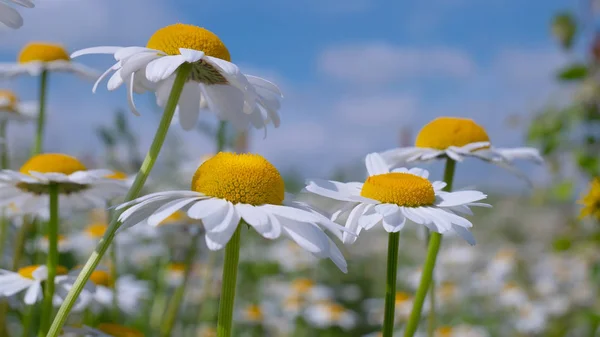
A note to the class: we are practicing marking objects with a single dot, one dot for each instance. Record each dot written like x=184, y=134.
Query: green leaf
x=564, y=28
x=573, y=72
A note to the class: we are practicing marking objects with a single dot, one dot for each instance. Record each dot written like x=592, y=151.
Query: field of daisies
x=233, y=247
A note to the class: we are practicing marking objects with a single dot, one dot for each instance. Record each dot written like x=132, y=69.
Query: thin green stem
x=230, y=268
x=52, y=260
x=41, y=121
x=157, y=310
x=115, y=276
x=3, y=232
x=20, y=241
x=177, y=299
x=435, y=241
x=134, y=191
x=27, y=320
x=4, y=158
x=390, y=286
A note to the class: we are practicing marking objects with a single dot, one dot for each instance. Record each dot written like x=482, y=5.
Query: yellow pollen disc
x=61, y=238
x=401, y=297
x=444, y=132
x=240, y=178
x=116, y=330
x=302, y=285
x=591, y=201
x=293, y=302
x=178, y=217
x=52, y=163
x=27, y=272
x=101, y=278
x=118, y=175
x=170, y=38
x=402, y=189
x=444, y=331
x=335, y=310
x=176, y=267
x=10, y=98
x=43, y=52
x=253, y=312
x=97, y=230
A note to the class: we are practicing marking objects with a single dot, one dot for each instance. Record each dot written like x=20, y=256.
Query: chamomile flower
x=78, y=188
x=457, y=138
x=64, y=244
x=227, y=189
x=9, y=16
x=103, y=330
x=403, y=306
x=131, y=292
x=174, y=274
x=462, y=330
x=390, y=198
x=37, y=57
x=328, y=314
x=531, y=319
x=85, y=241
x=252, y=314
x=591, y=201
x=214, y=81
x=28, y=280
x=12, y=109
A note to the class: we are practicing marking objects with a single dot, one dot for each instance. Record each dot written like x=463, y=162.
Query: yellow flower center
x=118, y=175
x=591, y=201
x=176, y=267
x=444, y=132
x=61, y=238
x=178, y=217
x=170, y=38
x=401, y=297
x=28, y=271
x=10, y=100
x=101, y=278
x=52, y=163
x=444, y=331
x=447, y=290
x=240, y=178
x=302, y=285
x=335, y=310
x=42, y=52
x=116, y=330
x=96, y=230
x=402, y=189
x=253, y=312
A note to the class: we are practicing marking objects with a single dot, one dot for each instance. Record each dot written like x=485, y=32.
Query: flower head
x=591, y=201
x=392, y=197
x=457, y=138
x=78, y=188
x=213, y=82
x=11, y=108
x=229, y=188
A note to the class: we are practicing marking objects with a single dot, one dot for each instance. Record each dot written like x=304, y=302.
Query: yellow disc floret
x=402, y=189
x=176, y=267
x=116, y=330
x=240, y=178
x=101, y=278
x=302, y=285
x=253, y=313
x=402, y=297
x=444, y=331
x=444, y=132
x=170, y=38
x=28, y=271
x=8, y=100
x=43, y=52
x=178, y=217
x=96, y=230
x=52, y=163
x=118, y=175
x=591, y=201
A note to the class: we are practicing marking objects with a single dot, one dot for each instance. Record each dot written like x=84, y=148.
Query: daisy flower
x=392, y=198
x=12, y=109
x=78, y=188
x=9, y=16
x=214, y=82
x=591, y=201
x=64, y=244
x=457, y=138
x=252, y=314
x=28, y=280
x=37, y=57
x=85, y=241
x=328, y=314
x=103, y=330
x=230, y=188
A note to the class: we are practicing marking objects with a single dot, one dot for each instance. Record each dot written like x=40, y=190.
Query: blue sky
x=353, y=72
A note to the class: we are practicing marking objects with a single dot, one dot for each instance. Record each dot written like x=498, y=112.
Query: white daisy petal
x=33, y=294
x=375, y=164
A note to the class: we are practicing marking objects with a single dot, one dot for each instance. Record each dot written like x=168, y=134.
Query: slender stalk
x=52, y=260
x=20, y=242
x=114, y=274
x=3, y=233
x=177, y=299
x=27, y=320
x=136, y=187
x=160, y=298
x=390, y=285
x=41, y=121
x=4, y=158
x=435, y=241
x=230, y=267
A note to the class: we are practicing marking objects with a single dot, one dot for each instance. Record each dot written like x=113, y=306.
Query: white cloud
x=382, y=63
x=377, y=110
x=83, y=23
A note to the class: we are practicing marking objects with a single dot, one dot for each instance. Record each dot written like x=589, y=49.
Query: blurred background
x=361, y=76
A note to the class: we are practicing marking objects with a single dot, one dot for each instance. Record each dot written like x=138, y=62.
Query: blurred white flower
x=12, y=109
x=531, y=319
x=326, y=314
x=512, y=296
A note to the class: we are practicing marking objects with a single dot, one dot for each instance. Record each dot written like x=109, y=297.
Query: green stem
x=3, y=233
x=230, y=267
x=115, y=276
x=175, y=303
x=134, y=191
x=20, y=242
x=4, y=159
x=27, y=320
x=435, y=241
x=159, y=300
x=41, y=121
x=52, y=260
x=390, y=286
